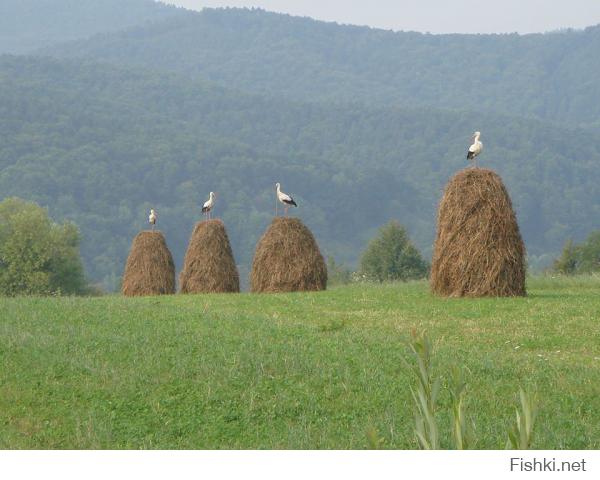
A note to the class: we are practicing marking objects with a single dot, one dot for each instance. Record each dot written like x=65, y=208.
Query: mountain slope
x=100, y=145
x=549, y=76
x=26, y=25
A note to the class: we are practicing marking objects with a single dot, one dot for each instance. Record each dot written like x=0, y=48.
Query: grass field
x=292, y=371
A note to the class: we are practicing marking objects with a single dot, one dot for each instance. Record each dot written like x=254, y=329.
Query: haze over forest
x=110, y=107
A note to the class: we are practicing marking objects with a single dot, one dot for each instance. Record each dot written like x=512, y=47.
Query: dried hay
x=209, y=266
x=288, y=259
x=478, y=250
x=150, y=269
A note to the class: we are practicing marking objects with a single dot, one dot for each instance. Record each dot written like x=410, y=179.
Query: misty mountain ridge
x=547, y=76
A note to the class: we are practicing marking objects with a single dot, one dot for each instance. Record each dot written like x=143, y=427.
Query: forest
x=549, y=76
x=362, y=126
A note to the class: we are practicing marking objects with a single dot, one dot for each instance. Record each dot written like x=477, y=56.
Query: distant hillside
x=100, y=145
x=549, y=76
x=26, y=25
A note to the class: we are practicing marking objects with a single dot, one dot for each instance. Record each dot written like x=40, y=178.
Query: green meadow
x=293, y=371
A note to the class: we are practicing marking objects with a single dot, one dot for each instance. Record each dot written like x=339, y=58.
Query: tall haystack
x=150, y=269
x=478, y=250
x=209, y=266
x=288, y=259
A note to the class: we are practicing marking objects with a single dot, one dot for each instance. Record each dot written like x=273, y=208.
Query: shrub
x=392, y=256
x=37, y=256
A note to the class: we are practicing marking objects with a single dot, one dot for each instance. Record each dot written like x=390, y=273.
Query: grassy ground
x=291, y=371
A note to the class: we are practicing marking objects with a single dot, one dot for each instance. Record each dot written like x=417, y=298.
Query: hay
x=478, y=250
x=288, y=259
x=150, y=269
x=209, y=266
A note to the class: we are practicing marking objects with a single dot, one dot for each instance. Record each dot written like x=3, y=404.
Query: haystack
x=288, y=259
x=150, y=269
x=209, y=266
x=478, y=250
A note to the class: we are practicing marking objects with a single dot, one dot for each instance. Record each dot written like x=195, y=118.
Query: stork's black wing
x=290, y=201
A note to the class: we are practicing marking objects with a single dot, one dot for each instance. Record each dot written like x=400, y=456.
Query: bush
x=582, y=258
x=37, y=256
x=392, y=256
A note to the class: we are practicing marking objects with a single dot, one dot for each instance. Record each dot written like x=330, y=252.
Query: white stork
x=475, y=149
x=284, y=198
x=208, y=205
x=152, y=218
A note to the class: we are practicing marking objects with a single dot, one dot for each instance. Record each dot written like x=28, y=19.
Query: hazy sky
x=436, y=16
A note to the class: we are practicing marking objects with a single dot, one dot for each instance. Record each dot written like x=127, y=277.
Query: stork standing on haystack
x=152, y=218
x=284, y=198
x=208, y=205
x=475, y=149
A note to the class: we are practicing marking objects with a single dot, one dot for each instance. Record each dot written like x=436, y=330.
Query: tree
x=392, y=256
x=589, y=254
x=567, y=262
x=37, y=256
x=582, y=258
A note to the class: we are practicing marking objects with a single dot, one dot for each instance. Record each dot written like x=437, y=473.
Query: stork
x=475, y=149
x=152, y=218
x=284, y=198
x=208, y=205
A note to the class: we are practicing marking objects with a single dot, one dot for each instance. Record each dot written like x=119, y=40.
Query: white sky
x=436, y=16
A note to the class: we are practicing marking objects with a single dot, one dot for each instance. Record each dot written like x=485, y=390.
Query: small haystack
x=478, y=250
x=209, y=266
x=150, y=269
x=288, y=259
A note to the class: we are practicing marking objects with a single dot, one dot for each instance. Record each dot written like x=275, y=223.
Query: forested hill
x=550, y=76
x=26, y=25
x=100, y=145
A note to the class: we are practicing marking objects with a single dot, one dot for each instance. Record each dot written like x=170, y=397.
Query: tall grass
x=520, y=436
x=463, y=426
x=425, y=397
x=425, y=394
